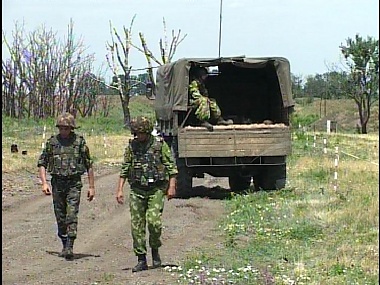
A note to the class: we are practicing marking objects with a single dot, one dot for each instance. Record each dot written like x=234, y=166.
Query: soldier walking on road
x=151, y=172
x=66, y=157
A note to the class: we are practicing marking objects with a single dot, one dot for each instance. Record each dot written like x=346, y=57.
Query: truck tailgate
x=235, y=141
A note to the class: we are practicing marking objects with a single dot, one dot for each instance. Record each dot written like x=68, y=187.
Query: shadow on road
x=216, y=192
x=76, y=255
x=151, y=267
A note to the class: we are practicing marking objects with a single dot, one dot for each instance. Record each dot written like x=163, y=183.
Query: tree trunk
x=126, y=113
x=364, y=128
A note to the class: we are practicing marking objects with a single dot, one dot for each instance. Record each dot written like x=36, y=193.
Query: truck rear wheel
x=184, y=180
x=239, y=183
x=271, y=178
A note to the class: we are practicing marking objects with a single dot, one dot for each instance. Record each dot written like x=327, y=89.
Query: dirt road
x=103, y=249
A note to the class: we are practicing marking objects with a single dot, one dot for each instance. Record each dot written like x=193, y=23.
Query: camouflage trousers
x=146, y=208
x=206, y=108
x=66, y=200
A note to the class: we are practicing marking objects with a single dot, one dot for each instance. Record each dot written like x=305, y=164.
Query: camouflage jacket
x=149, y=163
x=197, y=90
x=66, y=157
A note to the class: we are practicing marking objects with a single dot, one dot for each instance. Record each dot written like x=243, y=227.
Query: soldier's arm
x=171, y=169
x=88, y=163
x=42, y=165
x=168, y=160
x=123, y=174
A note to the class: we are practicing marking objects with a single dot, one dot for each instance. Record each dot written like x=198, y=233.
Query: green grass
x=307, y=233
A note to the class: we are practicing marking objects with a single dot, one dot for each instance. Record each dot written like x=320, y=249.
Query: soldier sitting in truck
x=206, y=108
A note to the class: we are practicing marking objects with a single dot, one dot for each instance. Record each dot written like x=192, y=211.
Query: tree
x=45, y=76
x=119, y=57
x=297, y=87
x=362, y=58
x=335, y=83
x=167, y=51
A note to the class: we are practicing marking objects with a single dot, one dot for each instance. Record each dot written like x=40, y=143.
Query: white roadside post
x=336, y=169
x=328, y=126
x=105, y=145
x=43, y=137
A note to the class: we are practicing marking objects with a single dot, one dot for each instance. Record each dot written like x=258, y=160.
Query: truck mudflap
x=252, y=140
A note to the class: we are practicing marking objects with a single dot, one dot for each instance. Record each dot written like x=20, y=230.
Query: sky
x=307, y=33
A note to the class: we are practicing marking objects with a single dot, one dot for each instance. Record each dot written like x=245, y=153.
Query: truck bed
x=235, y=141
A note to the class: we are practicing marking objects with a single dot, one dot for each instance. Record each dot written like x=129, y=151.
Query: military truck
x=256, y=94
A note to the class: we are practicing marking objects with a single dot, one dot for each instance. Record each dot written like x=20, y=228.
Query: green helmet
x=141, y=124
x=66, y=120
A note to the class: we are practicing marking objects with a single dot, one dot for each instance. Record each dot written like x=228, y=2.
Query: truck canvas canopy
x=173, y=80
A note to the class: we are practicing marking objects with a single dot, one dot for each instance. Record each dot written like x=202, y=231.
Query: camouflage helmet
x=66, y=120
x=141, y=124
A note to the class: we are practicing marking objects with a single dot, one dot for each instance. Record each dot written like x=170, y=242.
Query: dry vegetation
x=343, y=111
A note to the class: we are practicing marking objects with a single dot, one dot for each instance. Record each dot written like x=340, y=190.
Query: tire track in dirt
x=103, y=249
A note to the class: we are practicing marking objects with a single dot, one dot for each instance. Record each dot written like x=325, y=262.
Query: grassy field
x=106, y=137
x=308, y=233
x=344, y=112
x=321, y=229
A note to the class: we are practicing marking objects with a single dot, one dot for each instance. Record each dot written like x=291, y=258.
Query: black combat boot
x=141, y=263
x=70, y=249
x=207, y=125
x=156, y=258
x=224, y=122
x=64, y=249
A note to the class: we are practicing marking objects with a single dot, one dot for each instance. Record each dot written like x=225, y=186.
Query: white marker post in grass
x=43, y=137
x=336, y=169
x=105, y=145
x=324, y=145
x=328, y=126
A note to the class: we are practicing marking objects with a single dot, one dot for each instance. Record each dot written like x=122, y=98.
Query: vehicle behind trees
x=256, y=94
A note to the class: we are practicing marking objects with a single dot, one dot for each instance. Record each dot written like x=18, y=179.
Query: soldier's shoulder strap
x=79, y=139
x=159, y=139
x=133, y=145
x=53, y=140
x=158, y=142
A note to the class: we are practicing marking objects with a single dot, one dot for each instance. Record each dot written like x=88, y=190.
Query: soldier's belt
x=150, y=186
x=70, y=177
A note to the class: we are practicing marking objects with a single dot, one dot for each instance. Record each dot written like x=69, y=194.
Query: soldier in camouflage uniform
x=66, y=157
x=151, y=172
x=206, y=108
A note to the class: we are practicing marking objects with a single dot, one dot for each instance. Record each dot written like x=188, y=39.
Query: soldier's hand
x=90, y=193
x=120, y=197
x=171, y=192
x=46, y=189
